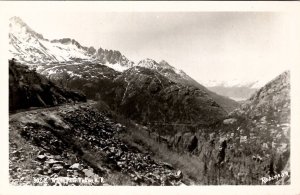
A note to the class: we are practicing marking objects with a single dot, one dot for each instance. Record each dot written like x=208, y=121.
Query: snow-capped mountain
x=32, y=48
x=163, y=67
x=236, y=89
x=28, y=46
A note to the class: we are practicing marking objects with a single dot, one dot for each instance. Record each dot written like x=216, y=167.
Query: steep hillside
x=228, y=104
x=251, y=144
x=29, y=89
x=180, y=77
x=92, y=79
x=272, y=100
x=148, y=97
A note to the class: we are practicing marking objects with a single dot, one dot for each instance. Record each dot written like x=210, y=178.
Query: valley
x=77, y=113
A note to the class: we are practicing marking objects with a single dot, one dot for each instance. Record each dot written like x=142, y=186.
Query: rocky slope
x=77, y=145
x=29, y=89
x=251, y=144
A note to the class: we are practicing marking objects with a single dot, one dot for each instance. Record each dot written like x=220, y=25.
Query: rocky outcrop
x=105, y=56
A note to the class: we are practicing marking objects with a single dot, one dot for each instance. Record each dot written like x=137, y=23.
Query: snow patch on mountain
x=117, y=67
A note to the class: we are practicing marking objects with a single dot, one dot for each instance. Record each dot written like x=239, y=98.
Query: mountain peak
x=163, y=62
x=17, y=20
x=148, y=60
x=17, y=25
x=148, y=63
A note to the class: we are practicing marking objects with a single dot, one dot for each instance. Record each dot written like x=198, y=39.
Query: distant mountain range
x=237, y=89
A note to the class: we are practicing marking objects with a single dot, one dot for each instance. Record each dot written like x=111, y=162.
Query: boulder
x=229, y=121
x=41, y=157
x=51, y=162
x=38, y=170
x=63, y=173
x=179, y=174
x=57, y=167
x=16, y=153
x=76, y=166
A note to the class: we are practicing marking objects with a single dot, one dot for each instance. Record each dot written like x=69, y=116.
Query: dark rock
x=51, y=162
x=56, y=167
x=39, y=170
x=63, y=173
x=16, y=153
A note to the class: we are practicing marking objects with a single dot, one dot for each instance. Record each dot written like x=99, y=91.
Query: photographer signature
x=264, y=180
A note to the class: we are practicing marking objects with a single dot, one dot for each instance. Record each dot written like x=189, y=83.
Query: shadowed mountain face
x=29, y=89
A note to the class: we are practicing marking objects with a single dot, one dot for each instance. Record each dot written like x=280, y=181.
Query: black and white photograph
x=99, y=97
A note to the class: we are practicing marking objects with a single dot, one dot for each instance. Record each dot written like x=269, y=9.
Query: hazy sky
x=206, y=45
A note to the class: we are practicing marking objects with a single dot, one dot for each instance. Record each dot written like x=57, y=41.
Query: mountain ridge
x=49, y=56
